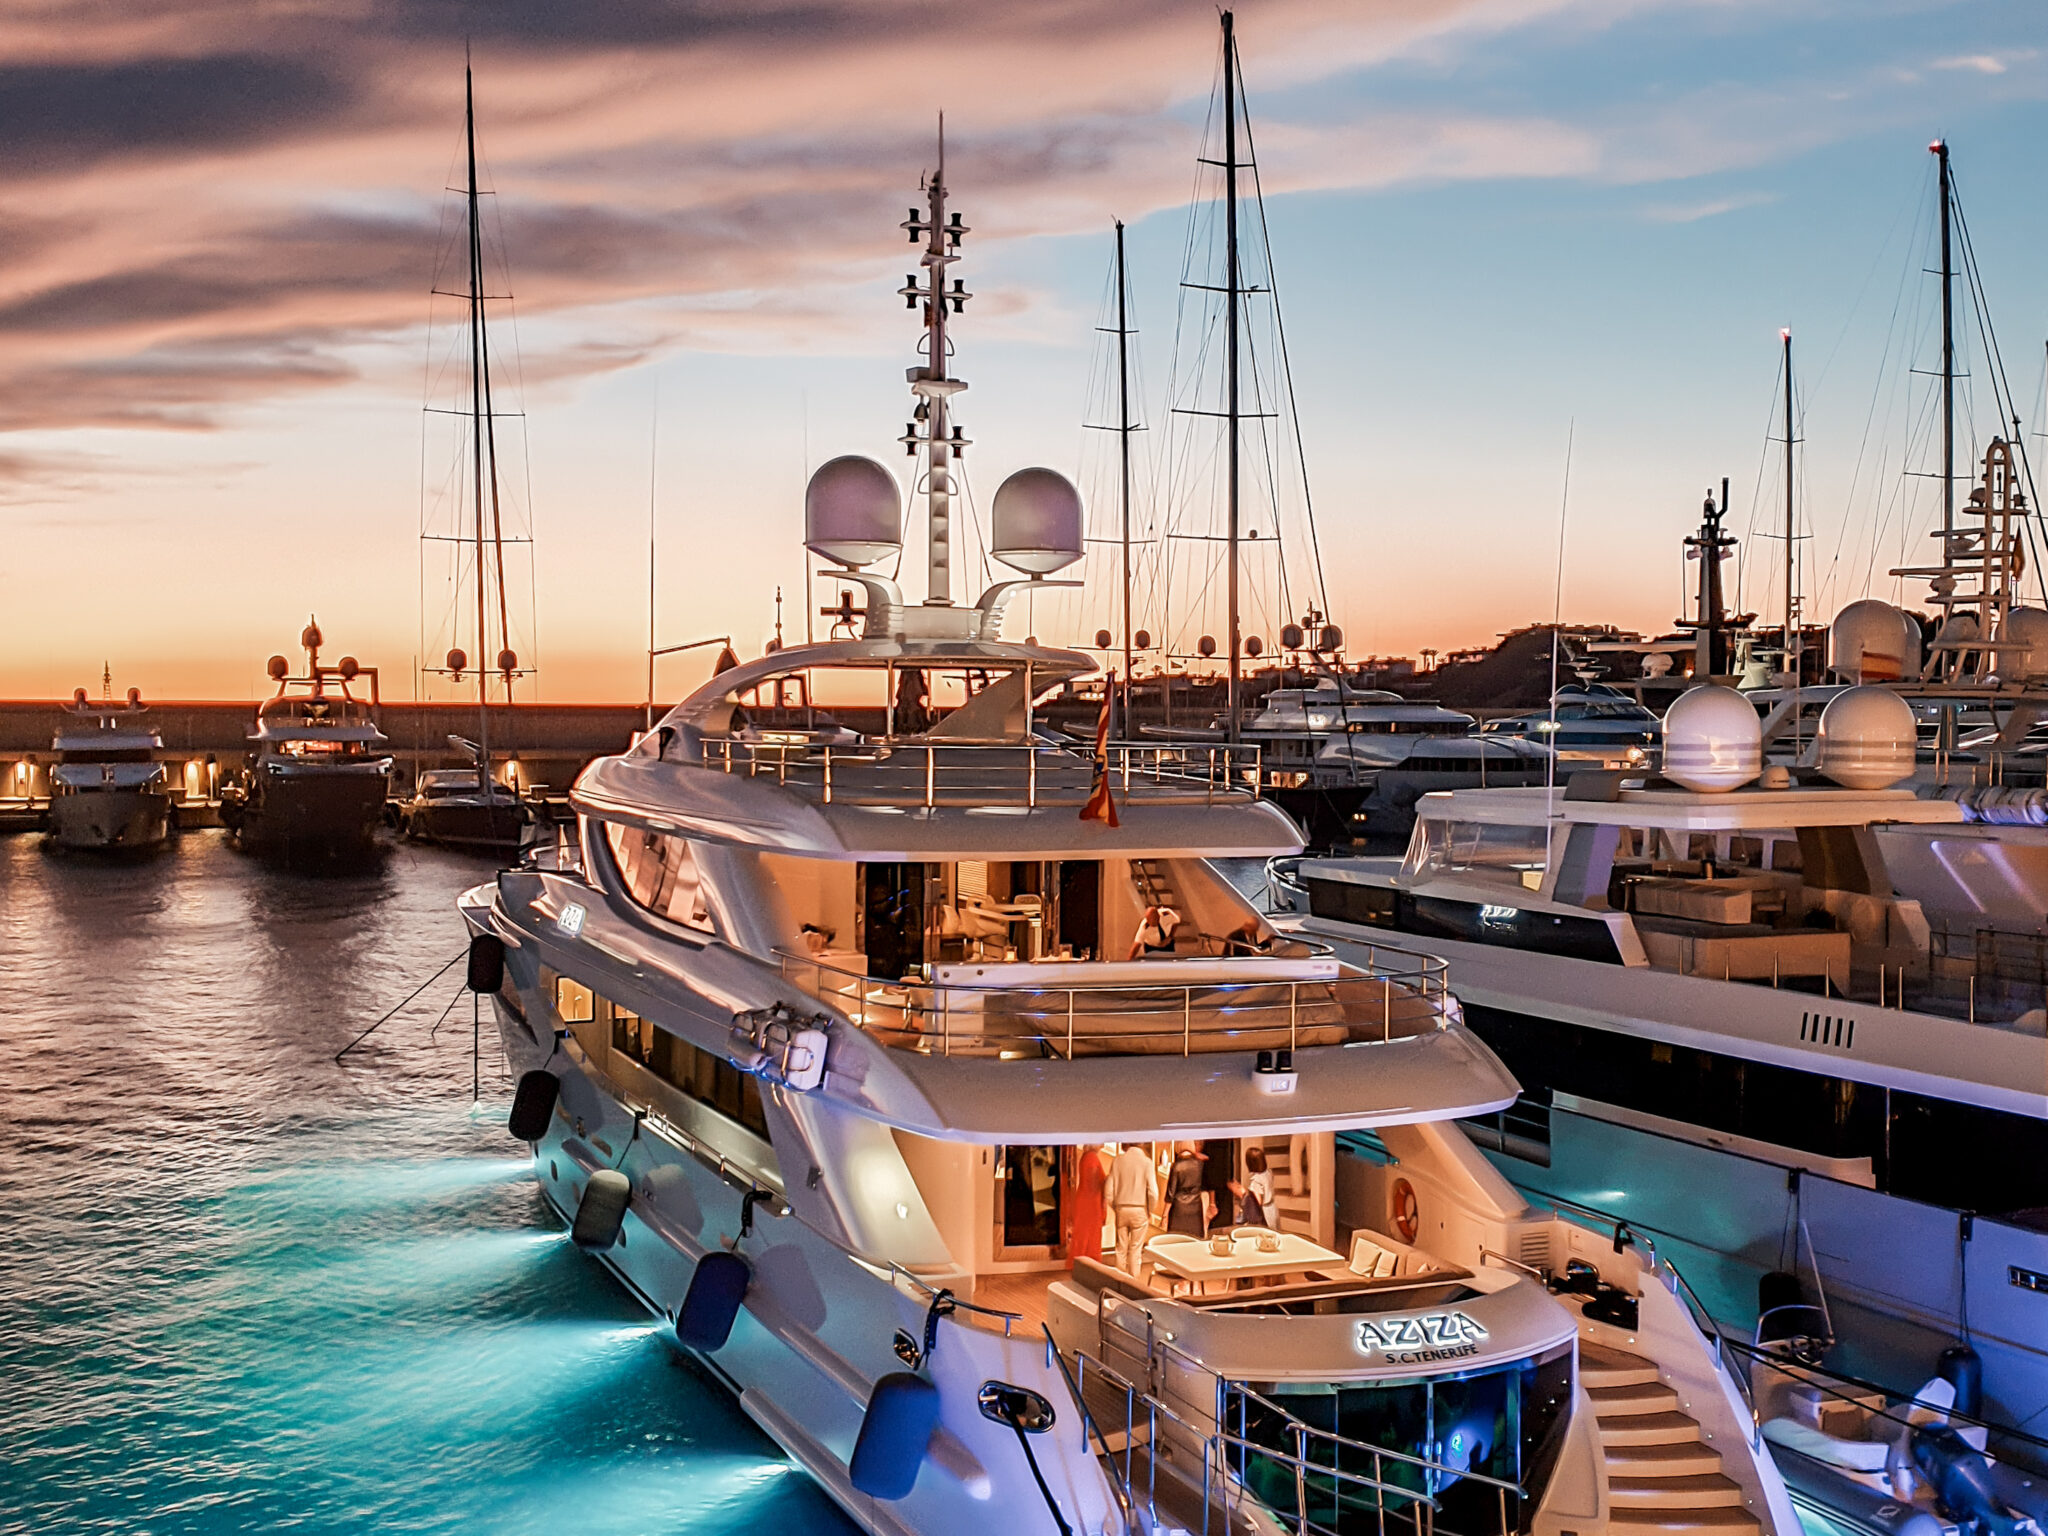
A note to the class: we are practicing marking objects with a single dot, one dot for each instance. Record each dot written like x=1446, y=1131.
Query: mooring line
x=459, y=957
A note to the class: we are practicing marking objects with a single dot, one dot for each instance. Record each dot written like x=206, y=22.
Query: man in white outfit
x=1132, y=1193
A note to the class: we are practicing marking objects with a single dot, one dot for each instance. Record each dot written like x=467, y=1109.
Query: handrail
x=929, y=773
x=1170, y=1015
x=1117, y=1484
x=897, y=1271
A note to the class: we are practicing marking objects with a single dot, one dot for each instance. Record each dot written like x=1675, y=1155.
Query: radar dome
x=1291, y=636
x=349, y=667
x=311, y=638
x=1102, y=639
x=1329, y=638
x=278, y=668
x=1867, y=739
x=1143, y=639
x=1206, y=645
x=1713, y=740
x=2026, y=629
x=1036, y=522
x=1656, y=664
x=1867, y=642
x=1253, y=645
x=853, y=512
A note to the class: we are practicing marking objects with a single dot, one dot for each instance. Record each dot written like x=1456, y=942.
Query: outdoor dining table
x=1196, y=1262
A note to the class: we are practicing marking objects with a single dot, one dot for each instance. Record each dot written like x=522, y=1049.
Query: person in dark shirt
x=1186, y=1209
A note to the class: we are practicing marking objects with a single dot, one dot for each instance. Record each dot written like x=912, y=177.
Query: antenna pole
x=1948, y=357
x=653, y=442
x=1230, y=343
x=931, y=383
x=476, y=430
x=1791, y=570
x=1123, y=394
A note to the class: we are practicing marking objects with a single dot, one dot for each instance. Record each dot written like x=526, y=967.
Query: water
x=246, y=1289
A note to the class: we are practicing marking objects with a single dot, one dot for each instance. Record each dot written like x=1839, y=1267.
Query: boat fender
x=1963, y=1368
x=533, y=1104
x=1960, y=1476
x=602, y=1210
x=486, y=963
x=902, y=1412
x=710, y=1305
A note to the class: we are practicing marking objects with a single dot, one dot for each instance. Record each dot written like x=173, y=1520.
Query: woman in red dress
x=1088, y=1172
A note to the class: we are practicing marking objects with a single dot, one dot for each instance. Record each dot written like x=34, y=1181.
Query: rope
x=459, y=957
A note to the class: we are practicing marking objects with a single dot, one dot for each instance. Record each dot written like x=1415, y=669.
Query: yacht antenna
x=929, y=432
x=653, y=443
x=1123, y=430
x=1948, y=353
x=1230, y=385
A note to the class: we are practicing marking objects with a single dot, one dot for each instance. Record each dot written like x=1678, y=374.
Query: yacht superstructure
x=1731, y=987
x=818, y=1039
x=107, y=790
x=319, y=769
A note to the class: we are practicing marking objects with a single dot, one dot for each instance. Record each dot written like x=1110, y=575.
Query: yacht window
x=1510, y=855
x=660, y=874
x=709, y=1079
x=574, y=1001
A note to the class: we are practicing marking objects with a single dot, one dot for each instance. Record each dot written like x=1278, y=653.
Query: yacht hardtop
x=824, y=1037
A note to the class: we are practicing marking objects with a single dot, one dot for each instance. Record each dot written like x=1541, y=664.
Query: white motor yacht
x=107, y=790
x=1729, y=986
x=821, y=1040
x=320, y=769
x=1588, y=725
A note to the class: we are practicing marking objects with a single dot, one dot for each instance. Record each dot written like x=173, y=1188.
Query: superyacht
x=108, y=792
x=818, y=1032
x=320, y=769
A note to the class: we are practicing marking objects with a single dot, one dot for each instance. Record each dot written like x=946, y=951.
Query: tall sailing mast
x=1124, y=428
x=1232, y=296
x=1939, y=149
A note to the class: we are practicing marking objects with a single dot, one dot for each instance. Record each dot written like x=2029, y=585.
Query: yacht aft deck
x=1139, y=1008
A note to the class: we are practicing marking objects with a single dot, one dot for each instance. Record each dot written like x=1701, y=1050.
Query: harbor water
x=245, y=1288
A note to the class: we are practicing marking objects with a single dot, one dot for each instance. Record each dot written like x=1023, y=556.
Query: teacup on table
x=1223, y=1245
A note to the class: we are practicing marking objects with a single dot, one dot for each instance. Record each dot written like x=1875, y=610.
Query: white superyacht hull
x=107, y=820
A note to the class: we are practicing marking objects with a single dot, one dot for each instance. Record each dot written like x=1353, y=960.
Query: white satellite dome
x=2026, y=627
x=1036, y=522
x=1867, y=643
x=1713, y=740
x=1958, y=629
x=853, y=512
x=1867, y=739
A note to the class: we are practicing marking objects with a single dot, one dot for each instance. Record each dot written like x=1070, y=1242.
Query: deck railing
x=911, y=775
x=1397, y=995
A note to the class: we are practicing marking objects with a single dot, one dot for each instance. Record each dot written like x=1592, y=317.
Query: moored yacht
x=319, y=770
x=819, y=1039
x=107, y=789
x=1726, y=982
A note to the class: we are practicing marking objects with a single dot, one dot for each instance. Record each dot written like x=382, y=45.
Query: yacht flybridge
x=821, y=1041
x=320, y=769
x=1727, y=982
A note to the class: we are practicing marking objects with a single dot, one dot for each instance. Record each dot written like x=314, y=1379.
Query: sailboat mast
x=1123, y=416
x=1230, y=342
x=1948, y=357
x=1791, y=569
x=478, y=417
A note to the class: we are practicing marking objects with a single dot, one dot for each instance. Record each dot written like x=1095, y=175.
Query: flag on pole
x=1101, y=804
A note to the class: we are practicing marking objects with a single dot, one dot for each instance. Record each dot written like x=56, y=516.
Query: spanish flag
x=1101, y=804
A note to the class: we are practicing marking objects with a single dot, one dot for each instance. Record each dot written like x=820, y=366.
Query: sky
x=1534, y=259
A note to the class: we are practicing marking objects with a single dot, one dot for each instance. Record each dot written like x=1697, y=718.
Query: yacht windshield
x=1506, y=854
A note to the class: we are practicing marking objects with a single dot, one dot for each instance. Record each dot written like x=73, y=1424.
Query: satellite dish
x=1102, y=639
x=457, y=660
x=1291, y=636
x=134, y=697
x=1143, y=639
x=853, y=512
x=1253, y=645
x=1035, y=525
x=508, y=661
x=278, y=668
x=1866, y=643
x=1330, y=638
x=78, y=696
x=349, y=668
x=1206, y=645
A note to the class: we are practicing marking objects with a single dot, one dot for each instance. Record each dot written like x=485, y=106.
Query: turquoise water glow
x=245, y=1289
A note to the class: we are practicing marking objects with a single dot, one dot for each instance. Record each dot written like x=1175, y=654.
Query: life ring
x=1404, y=1211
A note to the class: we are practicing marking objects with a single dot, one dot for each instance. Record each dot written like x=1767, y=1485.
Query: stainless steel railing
x=1397, y=995
x=924, y=774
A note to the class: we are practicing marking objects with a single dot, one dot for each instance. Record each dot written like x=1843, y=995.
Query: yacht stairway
x=1662, y=1475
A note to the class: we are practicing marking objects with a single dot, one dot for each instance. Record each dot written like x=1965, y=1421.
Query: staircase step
x=1700, y=1490
x=1649, y=1429
x=1684, y=1458
x=1636, y=1398
x=1602, y=1365
x=1721, y=1522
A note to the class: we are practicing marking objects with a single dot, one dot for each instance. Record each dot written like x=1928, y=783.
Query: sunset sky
x=1495, y=223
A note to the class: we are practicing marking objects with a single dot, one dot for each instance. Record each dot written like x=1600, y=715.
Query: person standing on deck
x=1085, y=1186
x=1187, y=1200
x=1131, y=1191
